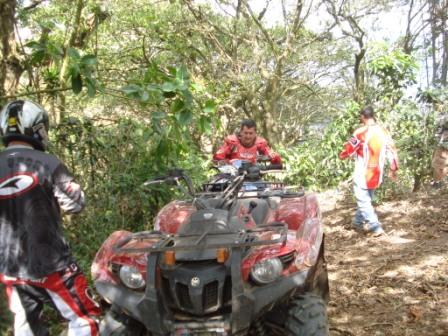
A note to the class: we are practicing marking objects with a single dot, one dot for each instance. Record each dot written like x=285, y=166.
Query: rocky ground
x=396, y=284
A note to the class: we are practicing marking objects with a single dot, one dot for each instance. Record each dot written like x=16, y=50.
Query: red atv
x=244, y=257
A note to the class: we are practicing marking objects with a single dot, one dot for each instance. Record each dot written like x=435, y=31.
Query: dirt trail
x=395, y=284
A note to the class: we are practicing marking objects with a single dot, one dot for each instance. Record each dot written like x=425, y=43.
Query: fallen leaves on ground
x=394, y=285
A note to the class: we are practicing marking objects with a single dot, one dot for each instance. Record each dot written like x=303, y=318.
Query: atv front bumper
x=248, y=302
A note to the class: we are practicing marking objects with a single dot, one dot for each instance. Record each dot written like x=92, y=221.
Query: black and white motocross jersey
x=34, y=186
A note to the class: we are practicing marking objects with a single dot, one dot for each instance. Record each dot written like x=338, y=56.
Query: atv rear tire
x=307, y=316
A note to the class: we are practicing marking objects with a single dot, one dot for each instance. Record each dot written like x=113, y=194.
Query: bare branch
x=261, y=27
x=36, y=93
x=201, y=18
x=219, y=3
x=263, y=11
x=297, y=23
x=33, y=5
x=235, y=39
x=285, y=16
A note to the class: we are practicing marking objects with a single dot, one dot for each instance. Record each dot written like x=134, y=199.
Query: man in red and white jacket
x=246, y=145
x=370, y=146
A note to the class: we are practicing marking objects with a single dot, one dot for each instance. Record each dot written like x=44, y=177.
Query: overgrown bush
x=112, y=162
x=315, y=163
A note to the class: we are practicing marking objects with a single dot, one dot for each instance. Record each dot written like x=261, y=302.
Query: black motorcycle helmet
x=23, y=120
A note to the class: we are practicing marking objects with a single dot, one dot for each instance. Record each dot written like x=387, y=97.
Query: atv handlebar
x=263, y=158
x=245, y=165
x=247, y=172
x=172, y=178
x=158, y=180
x=272, y=166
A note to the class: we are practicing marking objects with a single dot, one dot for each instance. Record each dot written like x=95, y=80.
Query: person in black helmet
x=36, y=264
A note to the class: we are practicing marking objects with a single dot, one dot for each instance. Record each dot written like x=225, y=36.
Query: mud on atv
x=247, y=260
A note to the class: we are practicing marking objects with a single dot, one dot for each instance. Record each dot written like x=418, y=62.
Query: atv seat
x=258, y=213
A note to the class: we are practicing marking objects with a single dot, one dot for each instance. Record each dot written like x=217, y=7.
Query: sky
x=388, y=26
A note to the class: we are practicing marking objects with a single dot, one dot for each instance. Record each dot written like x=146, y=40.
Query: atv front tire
x=115, y=323
x=307, y=316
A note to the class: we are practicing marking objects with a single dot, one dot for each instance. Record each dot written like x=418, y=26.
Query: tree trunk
x=10, y=65
x=417, y=183
x=65, y=63
x=270, y=125
x=433, y=20
x=359, y=77
x=444, y=29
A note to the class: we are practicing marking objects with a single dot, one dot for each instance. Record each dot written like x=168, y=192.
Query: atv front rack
x=282, y=193
x=168, y=242
x=217, y=187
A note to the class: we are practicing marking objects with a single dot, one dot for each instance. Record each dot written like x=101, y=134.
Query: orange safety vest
x=371, y=145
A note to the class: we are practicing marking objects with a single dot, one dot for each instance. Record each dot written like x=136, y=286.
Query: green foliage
x=391, y=73
x=436, y=96
x=44, y=51
x=48, y=54
x=112, y=162
x=315, y=164
x=417, y=142
x=173, y=111
x=395, y=70
x=81, y=72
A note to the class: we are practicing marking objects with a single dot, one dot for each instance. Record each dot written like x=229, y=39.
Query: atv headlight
x=131, y=277
x=266, y=271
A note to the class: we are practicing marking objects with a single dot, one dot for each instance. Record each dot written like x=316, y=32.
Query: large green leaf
x=185, y=117
x=88, y=60
x=168, y=87
x=205, y=125
x=182, y=73
x=210, y=106
x=54, y=50
x=131, y=88
x=34, y=45
x=177, y=106
x=76, y=83
x=158, y=115
x=91, y=87
x=37, y=56
x=73, y=53
x=144, y=96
